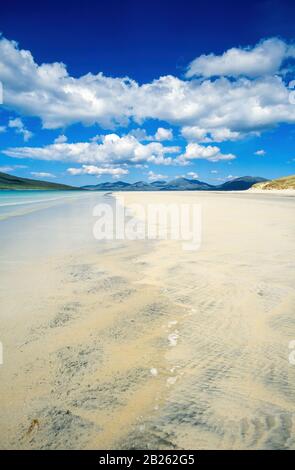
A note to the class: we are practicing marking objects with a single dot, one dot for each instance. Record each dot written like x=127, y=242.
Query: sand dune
x=286, y=184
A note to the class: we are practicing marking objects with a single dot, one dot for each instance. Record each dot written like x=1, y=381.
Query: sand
x=279, y=192
x=140, y=344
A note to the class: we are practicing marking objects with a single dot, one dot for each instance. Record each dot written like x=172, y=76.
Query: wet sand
x=139, y=344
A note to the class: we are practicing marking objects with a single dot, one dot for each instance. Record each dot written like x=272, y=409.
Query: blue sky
x=95, y=91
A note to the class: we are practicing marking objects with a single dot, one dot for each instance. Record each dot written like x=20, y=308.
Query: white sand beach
x=141, y=344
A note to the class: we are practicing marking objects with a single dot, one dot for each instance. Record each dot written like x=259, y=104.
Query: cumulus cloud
x=211, y=153
x=141, y=134
x=20, y=128
x=266, y=58
x=192, y=174
x=223, y=108
x=47, y=91
x=209, y=135
x=112, y=149
x=164, y=134
x=260, y=152
x=156, y=176
x=61, y=139
x=98, y=171
x=161, y=134
x=42, y=174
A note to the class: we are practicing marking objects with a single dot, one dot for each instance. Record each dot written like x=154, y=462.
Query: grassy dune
x=287, y=182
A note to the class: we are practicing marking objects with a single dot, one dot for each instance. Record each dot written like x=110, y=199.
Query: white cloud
x=231, y=177
x=214, y=172
x=156, y=176
x=195, y=133
x=141, y=134
x=192, y=175
x=200, y=151
x=20, y=128
x=140, y=165
x=224, y=134
x=164, y=134
x=260, y=152
x=211, y=153
x=6, y=168
x=3, y=129
x=112, y=149
x=61, y=139
x=9, y=168
x=42, y=174
x=266, y=58
x=161, y=134
x=222, y=108
x=97, y=171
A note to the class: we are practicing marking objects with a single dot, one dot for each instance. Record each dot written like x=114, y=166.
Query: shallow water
x=14, y=203
x=36, y=224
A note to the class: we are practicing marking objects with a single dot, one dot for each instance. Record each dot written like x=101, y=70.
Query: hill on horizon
x=11, y=182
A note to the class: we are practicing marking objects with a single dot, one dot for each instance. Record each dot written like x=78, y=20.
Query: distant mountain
x=179, y=184
x=287, y=182
x=240, y=184
x=16, y=183
x=184, y=184
x=158, y=183
x=109, y=186
x=140, y=186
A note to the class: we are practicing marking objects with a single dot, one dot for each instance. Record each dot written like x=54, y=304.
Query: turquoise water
x=39, y=223
x=14, y=203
